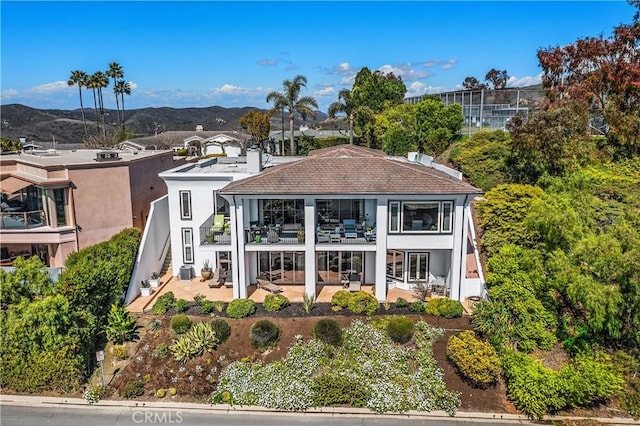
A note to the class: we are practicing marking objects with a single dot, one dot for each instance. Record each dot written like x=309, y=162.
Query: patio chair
x=269, y=286
x=350, y=230
x=218, y=224
x=322, y=237
x=354, y=282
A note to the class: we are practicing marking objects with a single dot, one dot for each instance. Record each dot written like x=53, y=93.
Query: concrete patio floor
x=295, y=293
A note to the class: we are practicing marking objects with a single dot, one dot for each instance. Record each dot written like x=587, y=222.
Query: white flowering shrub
x=387, y=380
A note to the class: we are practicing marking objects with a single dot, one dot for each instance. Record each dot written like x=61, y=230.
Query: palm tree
x=99, y=80
x=344, y=104
x=115, y=71
x=122, y=88
x=80, y=78
x=294, y=103
x=92, y=83
x=279, y=104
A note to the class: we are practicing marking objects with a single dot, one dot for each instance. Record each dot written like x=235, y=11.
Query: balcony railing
x=22, y=220
x=287, y=233
x=218, y=234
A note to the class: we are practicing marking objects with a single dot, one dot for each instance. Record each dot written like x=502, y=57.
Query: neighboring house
x=320, y=220
x=56, y=202
x=229, y=143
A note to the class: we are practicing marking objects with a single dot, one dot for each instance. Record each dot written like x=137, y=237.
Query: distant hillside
x=66, y=125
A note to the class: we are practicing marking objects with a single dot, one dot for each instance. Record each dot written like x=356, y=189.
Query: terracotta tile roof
x=350, y=169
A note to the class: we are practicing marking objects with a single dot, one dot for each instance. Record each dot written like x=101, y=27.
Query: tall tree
x=80, y=79
x=279, y=104
x=97, y=81
x=303, y=105
x=498, y=79
x=372, y=93
x=257, y=124
x=344, y=104
x=605, y=73
x=122, y=88
x=115, y=71
x=472, y=83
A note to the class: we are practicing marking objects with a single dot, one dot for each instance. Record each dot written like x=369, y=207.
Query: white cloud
x=524, y=81
x=348, y=80
x=406, y=71
x=133, y=85
x=56, y=86
x=431, y=63
x=418, y=88
x=449, y=63
x=326, y=91
x=8, y=94
x=268, y=62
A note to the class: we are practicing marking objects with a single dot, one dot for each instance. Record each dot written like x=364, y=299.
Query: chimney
x=199, y=128
x=254, y=160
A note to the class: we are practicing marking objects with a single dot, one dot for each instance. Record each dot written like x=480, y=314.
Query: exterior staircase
x=167, y=263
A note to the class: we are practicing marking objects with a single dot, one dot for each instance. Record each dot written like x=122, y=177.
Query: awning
x=12, y=185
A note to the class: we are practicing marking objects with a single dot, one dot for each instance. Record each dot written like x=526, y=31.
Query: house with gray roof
x=340, y=215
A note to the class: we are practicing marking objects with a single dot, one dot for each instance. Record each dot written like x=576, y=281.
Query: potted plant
x=301, y=236
x=145, y=288
x=154, y=281
x=206, y=273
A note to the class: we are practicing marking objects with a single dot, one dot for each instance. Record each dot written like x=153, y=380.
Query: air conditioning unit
x=186, y=273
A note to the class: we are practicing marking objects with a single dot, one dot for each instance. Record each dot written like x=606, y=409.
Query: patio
x=295, y=293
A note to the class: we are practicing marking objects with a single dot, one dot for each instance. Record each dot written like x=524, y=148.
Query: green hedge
x=444, y=307
x=241, y=308
x=275, y=302
x=400, y=329
x=475, y=360
x=328, y=331
x=264, y=334
x=180, y=323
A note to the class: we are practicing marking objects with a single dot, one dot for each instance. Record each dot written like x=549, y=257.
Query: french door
x=418, y=267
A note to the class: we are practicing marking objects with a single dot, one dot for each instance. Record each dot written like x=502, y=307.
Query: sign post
x=100, y=358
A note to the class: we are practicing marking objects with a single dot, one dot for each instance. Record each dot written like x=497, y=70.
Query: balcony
x=22, y=220
x=215, y=231
x=339, y=234
x=287, y=233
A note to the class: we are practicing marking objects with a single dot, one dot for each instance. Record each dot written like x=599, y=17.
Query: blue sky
x=231, y=54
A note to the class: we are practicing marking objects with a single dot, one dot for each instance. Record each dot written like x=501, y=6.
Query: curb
x=164, y=405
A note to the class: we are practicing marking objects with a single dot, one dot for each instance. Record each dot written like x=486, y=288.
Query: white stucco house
x=316, y=220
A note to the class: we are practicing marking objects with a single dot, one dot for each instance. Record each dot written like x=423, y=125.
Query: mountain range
x=65, y=126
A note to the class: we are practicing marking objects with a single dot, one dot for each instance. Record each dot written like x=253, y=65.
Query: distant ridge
x=42, y=125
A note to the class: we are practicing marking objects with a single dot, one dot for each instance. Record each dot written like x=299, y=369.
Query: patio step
x=167, y=262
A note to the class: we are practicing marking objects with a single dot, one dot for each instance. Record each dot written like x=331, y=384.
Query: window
x=420, y=216
x=395, y=264
x=279, y=212
x=185, y=204
x=58, y=198
x=394, y=217
x=187, y=245
x=446, y=216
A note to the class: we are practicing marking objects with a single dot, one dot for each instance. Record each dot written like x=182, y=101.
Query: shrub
x=180, y=323
x=307, y=302
x=199, y=339
x=94, y=393
x=207, y=306
x=417, y=307
x=163, y=303
x=444, y=307
x=275, y=302
x=181, y=305
x=475, y=360
x=199, y=299
x=173, y=391
x=218, y=305
x=401, y=302
x=155, y=324
x=341, y=299
x=400, y=329
x=133, y=389
x=328, y=331
x=241, y=308
x=362, y=302
x=222, y=329
x=160, y=393
x=119, y=351
x=160, y=350
x=264, y=334
x=333, y=389
x=121, y=326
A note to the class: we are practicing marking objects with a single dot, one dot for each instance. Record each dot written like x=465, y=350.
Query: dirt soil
x=196, y=379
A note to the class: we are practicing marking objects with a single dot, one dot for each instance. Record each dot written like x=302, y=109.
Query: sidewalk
x=168, y=405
